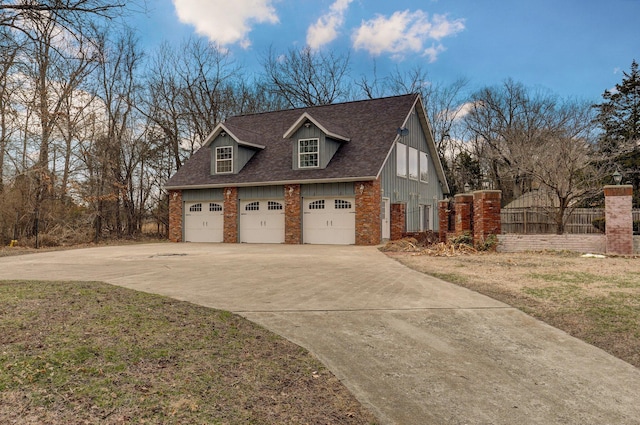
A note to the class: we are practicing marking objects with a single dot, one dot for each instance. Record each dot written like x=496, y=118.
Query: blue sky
x=574, y=48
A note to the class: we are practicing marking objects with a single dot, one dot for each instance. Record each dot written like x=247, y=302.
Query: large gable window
x=308, y=153
x=401, y=160
x=424, y=167
x=224, y=159
x=413, y=163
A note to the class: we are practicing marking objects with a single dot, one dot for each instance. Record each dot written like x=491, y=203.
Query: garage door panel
x=262, y=221
x=329, y=221
x=204, y=222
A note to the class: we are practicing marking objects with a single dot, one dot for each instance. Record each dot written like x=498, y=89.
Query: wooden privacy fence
x=537, y=221
x=534, y=220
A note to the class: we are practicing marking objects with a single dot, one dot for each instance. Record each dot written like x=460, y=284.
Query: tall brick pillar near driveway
x=292, y=216
x=619, y=219
x=464, y=213
x=486, y=214
x=230, y=215
x=368, y=220
x=175, y=215
x=443, y=219
x=398, y=221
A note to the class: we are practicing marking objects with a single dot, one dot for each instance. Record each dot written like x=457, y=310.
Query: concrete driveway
x=413, y=349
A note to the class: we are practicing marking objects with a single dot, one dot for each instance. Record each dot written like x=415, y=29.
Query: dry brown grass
x=91, y=353
x=594, y=299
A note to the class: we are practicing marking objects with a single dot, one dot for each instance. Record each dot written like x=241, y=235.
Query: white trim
x=223, y=128
x=317, y=153
x=218, y=148
x=273, y=183
x=300, y=122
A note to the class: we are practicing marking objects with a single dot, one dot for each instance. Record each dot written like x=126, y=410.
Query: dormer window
x=224, y=159
x=308, y=153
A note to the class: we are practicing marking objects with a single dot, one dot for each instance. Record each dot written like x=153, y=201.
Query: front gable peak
x=328, y=129
x=242, y=137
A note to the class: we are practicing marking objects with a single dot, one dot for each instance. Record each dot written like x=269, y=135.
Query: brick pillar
x=486, y=214
x=175, y=215
x=619, y=219
x=292, y=217
x=368, y=208
x=464, y=213
x=443, y=219
x=230, y=215
x=398, y=221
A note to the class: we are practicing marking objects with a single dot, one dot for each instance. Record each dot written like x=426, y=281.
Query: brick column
x=398, y=221
x=486, y=214
x=368, y=208
x=230, y=215
x=443, y=219
x=619, y=219
x=175, y=215
x=292, y=216
x=464, y=213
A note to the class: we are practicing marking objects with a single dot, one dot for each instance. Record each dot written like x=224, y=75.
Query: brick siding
x=464, y=213
x=591, y=243
x=619, y=219
x=486, y=214
x=230, y=234
x=292, y=215
x=398, y=221
x=368, y=209
x=175, y=215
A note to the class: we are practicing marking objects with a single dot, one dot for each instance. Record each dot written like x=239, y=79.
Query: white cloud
x=325, y=30
x=226, y=22
x=406, y=32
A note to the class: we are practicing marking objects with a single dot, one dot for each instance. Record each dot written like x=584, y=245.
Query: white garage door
x=203, y=222
x=329, y=221
x=262, y=221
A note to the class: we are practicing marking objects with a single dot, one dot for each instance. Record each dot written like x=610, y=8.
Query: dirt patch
x=594, y=299
x=91, y=353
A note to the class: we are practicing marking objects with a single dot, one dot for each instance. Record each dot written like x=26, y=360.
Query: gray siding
x=327, y=147
x=261, y=192
x=327, y=189
x=241, y=154
x=411, y=192
x=202, y=195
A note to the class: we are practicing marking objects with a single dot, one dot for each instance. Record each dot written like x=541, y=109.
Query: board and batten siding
x=261, y=192
x=320, y=190
x=241, y=155
x=413, y=193
x=193, y=195
x=327, y=146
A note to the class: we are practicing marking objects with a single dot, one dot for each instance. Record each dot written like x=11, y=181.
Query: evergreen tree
x=619, y=119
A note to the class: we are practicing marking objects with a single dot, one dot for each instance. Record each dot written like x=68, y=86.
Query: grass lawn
x=594, y=299
x=91, y=353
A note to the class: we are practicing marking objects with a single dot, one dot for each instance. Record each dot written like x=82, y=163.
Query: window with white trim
x=317, y=205
x=195, y=208
x=274, y=206
x=424, y=167
x=401, y=160
x=213, y=207
x=253, y=206
x=413, y=163
x=341, y=204
x=224, y=159
x=308, y=153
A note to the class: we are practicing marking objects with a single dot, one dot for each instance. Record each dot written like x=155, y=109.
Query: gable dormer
x=313, y=142
x=231, y=148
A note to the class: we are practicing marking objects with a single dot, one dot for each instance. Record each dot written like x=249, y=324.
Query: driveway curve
x=412, y=348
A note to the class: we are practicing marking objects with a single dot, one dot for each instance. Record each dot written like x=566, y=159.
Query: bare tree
x=307, y=77
x=527, y=140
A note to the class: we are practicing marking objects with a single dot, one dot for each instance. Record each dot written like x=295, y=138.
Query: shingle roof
x=371, y=126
